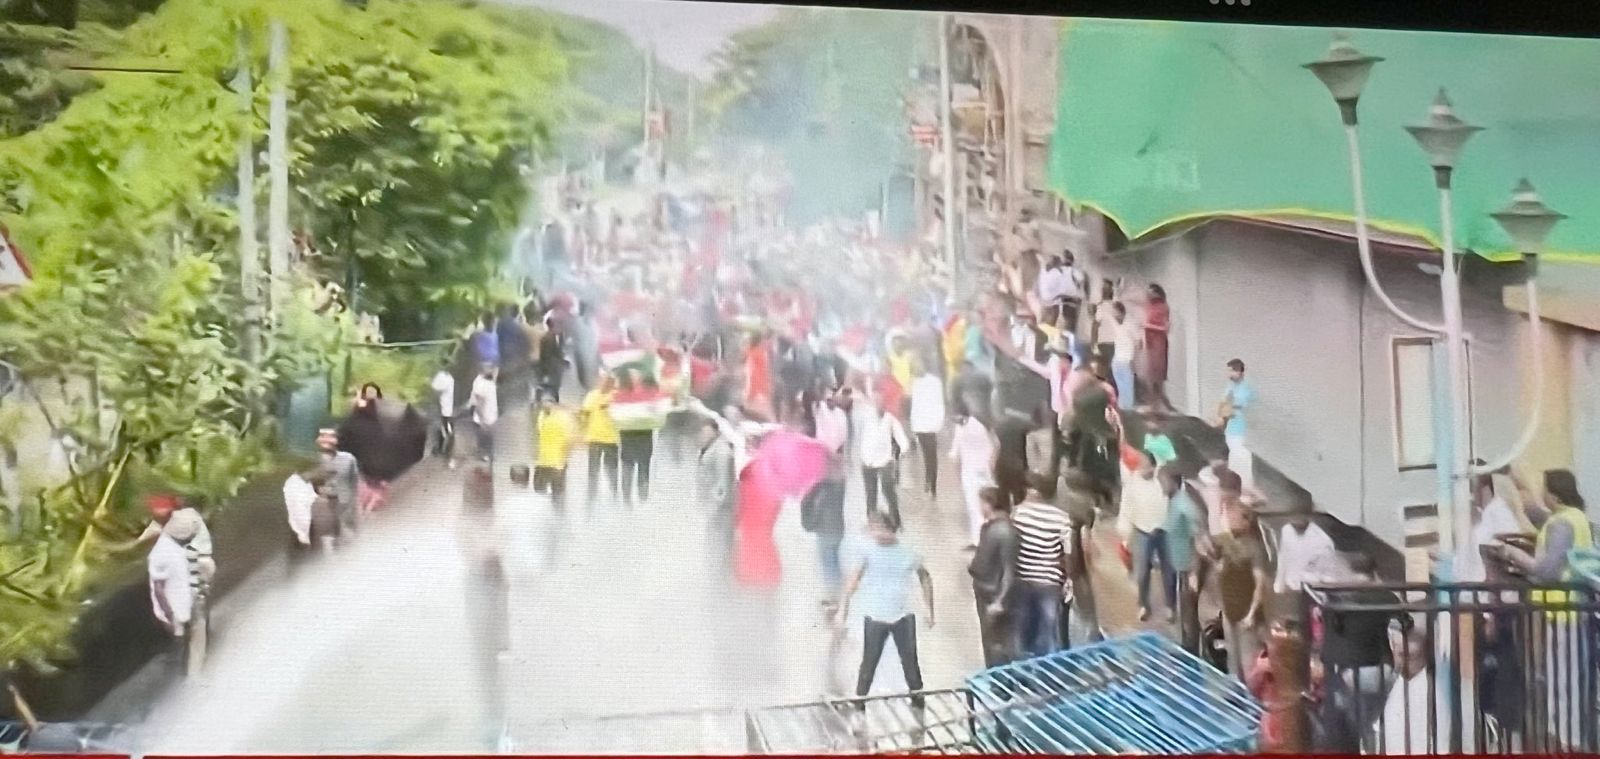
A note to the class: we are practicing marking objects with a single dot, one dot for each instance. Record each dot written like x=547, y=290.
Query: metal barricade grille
x=946, y=724
x=1141, y=695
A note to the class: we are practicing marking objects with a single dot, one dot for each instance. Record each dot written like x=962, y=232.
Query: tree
x=822, y=88
x=412, y=120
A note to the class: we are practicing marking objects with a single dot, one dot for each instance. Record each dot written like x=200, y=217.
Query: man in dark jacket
x=973, y=392
x=1081, y=500
x=515, y=349
x=552, y=365
x=822, y=514
x=994, y=578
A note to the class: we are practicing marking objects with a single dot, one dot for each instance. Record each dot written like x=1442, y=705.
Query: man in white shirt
x=173, y=584
x=833, y=423
x=972, y=449
x=1124, y=344
x=1058, y=371
x=444, y=433
x=735, y=429
x=1407, y=715
x=162, y=510
x=299, y=495
x=1141, y=519
x=880, y=433
x=1055, y=285
x=1076, y=292
x=927, y=419
x=1493, y=517
x=485, y=410
x=1302, y=548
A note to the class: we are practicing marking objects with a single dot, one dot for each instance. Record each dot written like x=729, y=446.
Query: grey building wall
x=1172, y=263
x=1287, y=306
x=1584, y=388
x=1295, y=308
x=1496, y=388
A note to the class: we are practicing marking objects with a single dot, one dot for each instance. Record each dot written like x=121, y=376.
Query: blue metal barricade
x=1137, y=695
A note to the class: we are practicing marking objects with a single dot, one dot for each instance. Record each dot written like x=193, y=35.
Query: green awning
x=1163, y=121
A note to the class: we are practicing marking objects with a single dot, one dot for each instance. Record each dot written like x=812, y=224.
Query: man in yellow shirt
x=558, y=432
x=600, y=432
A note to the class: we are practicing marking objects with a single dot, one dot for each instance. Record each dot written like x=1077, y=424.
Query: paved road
x=371, y=652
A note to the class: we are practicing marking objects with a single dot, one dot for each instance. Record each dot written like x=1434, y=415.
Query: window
x=1414, y=366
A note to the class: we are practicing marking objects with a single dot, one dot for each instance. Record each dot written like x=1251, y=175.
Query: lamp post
x=1345, y=71
x=1442, y=137
x=1527, y=221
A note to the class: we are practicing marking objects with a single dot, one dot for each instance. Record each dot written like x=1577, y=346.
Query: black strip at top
x=1556, y=18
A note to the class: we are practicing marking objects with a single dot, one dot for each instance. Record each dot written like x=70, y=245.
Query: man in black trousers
x=994, y=577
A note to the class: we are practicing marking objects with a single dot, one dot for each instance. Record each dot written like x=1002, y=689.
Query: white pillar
x=278, y=165
x=947, y=141
x=249, y=252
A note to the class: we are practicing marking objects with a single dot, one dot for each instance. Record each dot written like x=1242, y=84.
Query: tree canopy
x=824, y=88
x=411, y=124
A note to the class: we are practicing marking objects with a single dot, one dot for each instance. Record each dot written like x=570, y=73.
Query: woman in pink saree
x=786, y=465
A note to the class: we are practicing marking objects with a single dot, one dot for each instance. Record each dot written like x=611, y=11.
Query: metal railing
x=1414, y=668
x=63, y=738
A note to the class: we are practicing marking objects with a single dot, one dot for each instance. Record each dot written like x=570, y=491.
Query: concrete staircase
x=1198, y=443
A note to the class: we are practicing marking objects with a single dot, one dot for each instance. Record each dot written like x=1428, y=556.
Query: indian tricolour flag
x=644, y=406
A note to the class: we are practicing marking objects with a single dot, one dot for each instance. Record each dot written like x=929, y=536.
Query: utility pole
x=249, y=254
x=649, y=88
x=278, y=166
x=1014, y=126
x=948, y=143
x=689, y=127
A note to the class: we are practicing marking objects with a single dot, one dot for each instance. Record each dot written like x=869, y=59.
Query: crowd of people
x=789, y=364
x=783, y=366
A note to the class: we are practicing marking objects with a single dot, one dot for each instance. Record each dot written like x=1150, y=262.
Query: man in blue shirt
x=486, y=343
x=1236, y=403
x=1182, y=527
x=883, y=581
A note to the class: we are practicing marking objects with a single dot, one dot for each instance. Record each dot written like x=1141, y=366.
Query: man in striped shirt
x=1041, y=566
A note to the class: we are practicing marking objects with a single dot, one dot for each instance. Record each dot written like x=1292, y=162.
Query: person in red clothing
x=758, y=377
x=1157, y=323
x=1270, y=680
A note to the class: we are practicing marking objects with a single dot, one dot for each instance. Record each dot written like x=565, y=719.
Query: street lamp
x=1442, y=137
x=1344, y=71
x=1527, y=221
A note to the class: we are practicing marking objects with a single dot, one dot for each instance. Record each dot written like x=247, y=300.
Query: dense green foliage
x=412, y=123
x=823, y=88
